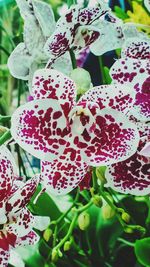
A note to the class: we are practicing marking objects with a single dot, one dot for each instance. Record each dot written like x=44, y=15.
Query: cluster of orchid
x=107, y=126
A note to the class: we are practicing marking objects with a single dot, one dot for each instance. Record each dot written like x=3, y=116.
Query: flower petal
x=23, y=223
x=39, y=127
x=114, y=138
x=45, y=16
x=30, y=239
x=145, y=150
x=19, y=62
x=108, y=31
x=85, y=35
x=22, y=196
x=54, y=85
x=131, y=176
x=147, y=4
x=67, y=25
x=134, y=73
x=8, y=170
x=4, y=257
x=41, y=222
x=136, y=48
x=118, y=97
x=63, y=174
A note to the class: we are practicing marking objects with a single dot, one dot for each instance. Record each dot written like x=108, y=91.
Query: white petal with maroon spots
x=118, y=97
x=136, y=48
x=64, y=174
x=54, y=85
x=23, y=225
x=66, y=28
x=131, y=176
x=39, y=127
x=30, y=239
x=8, y=170
x=4, y=257
x=135, y=73
x=22, y=196
x=113, y=139
x=85, y=35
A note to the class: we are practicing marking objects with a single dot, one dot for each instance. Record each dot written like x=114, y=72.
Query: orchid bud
x=47, y=234
x=107, y=212
x=82, y=79
x=67, y=246
x=83, y=220
x=97, y=201
x=125, y=217
x=128, y=230
x=55, y=255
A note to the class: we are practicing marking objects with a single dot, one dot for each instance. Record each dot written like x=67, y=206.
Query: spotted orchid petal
x=19, y=62
x=54, y=85
x=103, y=43
x=85, y=35
x=22, y=224
x=64, y=174
x=134, y=73
x=22, y=196
x=40, y=128
x=4, y=257
x=112, y=138
x=131, y=176
x=66, y=28
x=118, y=97
x=30, y=239
x=136, y=48
x=8, y=170
x=143, y=128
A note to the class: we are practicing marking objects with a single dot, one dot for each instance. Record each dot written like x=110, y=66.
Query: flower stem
x=6, y=136
x=73, y=59
x=102, y=69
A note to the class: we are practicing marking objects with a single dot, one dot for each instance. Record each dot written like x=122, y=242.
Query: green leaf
x=120, y=13
x=107, y=76
x=142, y=251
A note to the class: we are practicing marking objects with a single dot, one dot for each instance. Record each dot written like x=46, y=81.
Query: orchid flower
x=16, y=221
x=131, y=176
x=132, y=69
x=69, y=137
x=29, y=54
x=82, y=27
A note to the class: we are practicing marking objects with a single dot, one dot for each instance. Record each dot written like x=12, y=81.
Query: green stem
x=4, y=118
x=69, y=232
x=73, y=59
x=5, y=137
x=102, y=69
x=126, y=242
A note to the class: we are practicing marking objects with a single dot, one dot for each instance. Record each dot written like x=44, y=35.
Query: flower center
x=80, y=118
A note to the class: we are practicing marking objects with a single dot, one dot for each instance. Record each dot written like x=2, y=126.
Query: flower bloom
x=29, y=54
x=81, y=27
x=131, y=176
x=133, y=69
x=16, y=221
x=69, y=137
